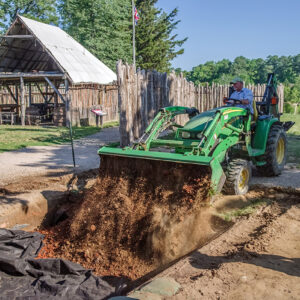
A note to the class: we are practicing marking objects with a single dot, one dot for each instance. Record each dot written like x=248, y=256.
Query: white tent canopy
x=51, y=49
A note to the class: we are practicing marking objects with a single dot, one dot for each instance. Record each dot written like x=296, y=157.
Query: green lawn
x=293, y=138
x=17, y=137
x=295, y=118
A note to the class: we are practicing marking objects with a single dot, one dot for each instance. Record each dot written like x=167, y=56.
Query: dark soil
x=139, y=214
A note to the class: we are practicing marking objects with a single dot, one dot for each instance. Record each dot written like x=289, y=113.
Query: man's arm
x=248, y=97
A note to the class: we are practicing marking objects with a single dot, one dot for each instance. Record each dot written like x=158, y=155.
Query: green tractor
x=227, y=140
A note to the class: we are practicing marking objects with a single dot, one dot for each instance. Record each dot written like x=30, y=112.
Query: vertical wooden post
x=46, y=93
x=17, y=100
x=67, y=103
x=23, y=106
x=56, y=96
x=29, y=90
x=68, y=117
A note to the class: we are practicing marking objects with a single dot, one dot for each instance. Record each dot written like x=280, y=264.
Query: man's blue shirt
x=244, y=94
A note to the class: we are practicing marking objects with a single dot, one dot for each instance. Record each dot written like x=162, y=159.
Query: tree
x=102, y=26
x=40, y=10
x=287, y=69
x=156, y=45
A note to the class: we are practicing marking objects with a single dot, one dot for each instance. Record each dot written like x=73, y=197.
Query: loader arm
x=221, y=129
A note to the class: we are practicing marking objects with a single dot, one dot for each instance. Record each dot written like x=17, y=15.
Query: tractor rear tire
x=276, y=152
x=238, y=175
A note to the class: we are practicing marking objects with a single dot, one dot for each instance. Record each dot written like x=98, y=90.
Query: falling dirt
x=139, y=214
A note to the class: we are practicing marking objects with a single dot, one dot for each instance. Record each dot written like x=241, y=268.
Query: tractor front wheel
x=238, y=175
x=276, y=152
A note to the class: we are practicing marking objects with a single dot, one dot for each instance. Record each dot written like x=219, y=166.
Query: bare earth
x=258, y=258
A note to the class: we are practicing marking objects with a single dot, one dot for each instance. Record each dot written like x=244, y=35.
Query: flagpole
x=133, y=32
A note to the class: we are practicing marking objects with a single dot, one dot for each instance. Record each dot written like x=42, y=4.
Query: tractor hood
x=198, y=122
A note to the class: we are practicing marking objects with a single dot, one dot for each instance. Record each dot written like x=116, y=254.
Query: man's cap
x=237, y=79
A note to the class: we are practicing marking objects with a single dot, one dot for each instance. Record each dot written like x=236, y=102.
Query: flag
x=136, y=16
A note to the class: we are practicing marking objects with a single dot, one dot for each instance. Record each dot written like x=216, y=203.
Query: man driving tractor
x=244, y=95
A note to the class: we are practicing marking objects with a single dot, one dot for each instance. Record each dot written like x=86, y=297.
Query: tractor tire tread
x=271, y=168
x=232, y=172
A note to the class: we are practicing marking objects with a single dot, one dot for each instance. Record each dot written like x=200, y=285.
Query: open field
x=17, y=137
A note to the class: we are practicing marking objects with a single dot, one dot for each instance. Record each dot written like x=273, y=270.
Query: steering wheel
x=232, y=101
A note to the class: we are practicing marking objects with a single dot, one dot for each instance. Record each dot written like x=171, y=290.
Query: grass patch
x=245, y=211
x=295, y=130
x=17, y=137
x=293, y=138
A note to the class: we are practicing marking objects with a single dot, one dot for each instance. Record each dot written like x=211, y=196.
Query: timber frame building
x=38, y=56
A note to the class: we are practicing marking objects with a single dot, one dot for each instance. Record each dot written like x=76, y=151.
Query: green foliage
x=295, y=130
x=156, y=46
x=288, y=108
x=41, y=10
x=103, y=27
x=287, y=69
x=292, y=91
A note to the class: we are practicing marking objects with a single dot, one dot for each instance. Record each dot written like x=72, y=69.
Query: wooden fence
x=143, y=93
x=83, y=98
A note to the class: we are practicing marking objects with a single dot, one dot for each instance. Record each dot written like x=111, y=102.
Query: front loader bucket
x=162, y=167
x=162, y=181
x=158, y=207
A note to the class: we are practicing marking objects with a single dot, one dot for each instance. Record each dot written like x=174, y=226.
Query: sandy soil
x=258, y=258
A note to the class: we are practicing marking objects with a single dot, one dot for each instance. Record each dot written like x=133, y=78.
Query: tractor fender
x=262, y=130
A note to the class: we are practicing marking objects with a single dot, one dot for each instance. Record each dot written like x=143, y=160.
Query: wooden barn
x=47, y=77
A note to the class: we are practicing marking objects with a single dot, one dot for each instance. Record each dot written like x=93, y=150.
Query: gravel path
x=42, y=160
x=289, y=178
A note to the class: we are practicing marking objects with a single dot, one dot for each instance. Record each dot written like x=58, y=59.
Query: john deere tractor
x=227, y=140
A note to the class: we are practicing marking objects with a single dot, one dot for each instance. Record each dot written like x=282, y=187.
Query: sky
x=220, y=29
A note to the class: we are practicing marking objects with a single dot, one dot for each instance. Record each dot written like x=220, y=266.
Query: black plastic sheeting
x=23, y=277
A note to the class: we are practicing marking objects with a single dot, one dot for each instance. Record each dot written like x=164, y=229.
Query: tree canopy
x=287, y=69
x=102, y=26
x=156, y=45
x=41, y=10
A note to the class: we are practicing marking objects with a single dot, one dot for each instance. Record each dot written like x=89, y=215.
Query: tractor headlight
x=185, y=135
x=199, y=135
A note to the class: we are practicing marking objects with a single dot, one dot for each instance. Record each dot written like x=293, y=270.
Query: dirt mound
x=139, y=214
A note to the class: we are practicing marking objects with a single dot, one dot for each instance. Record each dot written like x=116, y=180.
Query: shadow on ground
x=289, y=266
